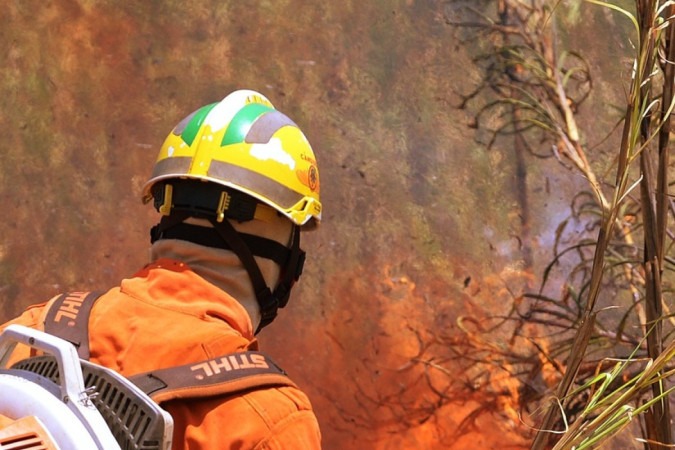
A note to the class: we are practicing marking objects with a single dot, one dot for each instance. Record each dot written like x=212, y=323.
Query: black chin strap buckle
x=269, y=305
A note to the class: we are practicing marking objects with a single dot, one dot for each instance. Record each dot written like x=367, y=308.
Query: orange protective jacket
x=166, y=316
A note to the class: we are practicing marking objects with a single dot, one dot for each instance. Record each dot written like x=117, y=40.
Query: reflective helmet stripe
x=264, y=128
x=242, y=121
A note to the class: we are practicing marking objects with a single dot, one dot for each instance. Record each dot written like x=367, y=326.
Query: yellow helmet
x=245, y=144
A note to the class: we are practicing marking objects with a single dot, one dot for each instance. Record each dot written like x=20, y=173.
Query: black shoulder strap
x=68, y=318
x=223, y=375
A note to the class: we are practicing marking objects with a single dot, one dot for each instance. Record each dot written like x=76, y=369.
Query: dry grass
x=611, y=371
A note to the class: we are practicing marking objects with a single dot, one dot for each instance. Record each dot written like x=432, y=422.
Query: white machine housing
x=107, y=412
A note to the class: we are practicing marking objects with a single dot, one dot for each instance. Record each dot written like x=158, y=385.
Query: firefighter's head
x=240, y=163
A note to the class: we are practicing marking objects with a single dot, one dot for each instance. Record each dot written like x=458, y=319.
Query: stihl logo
x=70, y=307
x=228, y=364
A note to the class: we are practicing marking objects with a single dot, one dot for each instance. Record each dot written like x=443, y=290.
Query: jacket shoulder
x=269, y=418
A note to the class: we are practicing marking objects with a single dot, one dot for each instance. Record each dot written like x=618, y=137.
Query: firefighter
x=235, y=182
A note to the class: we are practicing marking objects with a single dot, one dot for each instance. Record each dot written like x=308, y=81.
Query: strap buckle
x=223, y=205
x=165, y=207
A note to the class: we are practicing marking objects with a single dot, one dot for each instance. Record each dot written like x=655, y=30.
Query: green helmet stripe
x=242, y=121
x=192, y=128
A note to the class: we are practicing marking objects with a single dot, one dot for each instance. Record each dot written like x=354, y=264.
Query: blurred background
x=431, y=226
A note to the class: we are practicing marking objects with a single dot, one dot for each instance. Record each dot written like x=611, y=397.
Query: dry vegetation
x=592, y=354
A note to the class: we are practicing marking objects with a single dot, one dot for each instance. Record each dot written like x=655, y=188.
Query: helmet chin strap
x=244, y=246
x=268, y=303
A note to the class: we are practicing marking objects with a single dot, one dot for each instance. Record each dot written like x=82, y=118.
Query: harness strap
x=209, y=237
x=68, y=318
x=227, y=374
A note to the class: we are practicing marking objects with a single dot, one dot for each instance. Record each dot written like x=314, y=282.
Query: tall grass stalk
x=647, y=116
x=622, y=255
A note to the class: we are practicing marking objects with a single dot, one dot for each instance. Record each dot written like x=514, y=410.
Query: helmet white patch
x=274, y=151
x=221, y=115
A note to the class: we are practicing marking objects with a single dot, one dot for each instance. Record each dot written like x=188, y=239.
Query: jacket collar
x=171, y=283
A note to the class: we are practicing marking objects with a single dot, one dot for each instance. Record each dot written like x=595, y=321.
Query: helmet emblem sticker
x=313, y=178
x=309, y=178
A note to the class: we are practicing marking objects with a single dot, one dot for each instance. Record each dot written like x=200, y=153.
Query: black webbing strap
x=209, y=237
x=266, y=300
x=68, y=318
x=226, y=374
